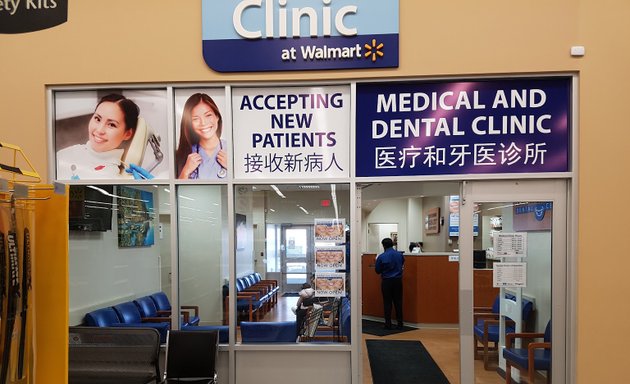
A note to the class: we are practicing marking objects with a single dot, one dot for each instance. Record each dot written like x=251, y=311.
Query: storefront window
x=203, y=253
x=118, y=251
x=295, y=239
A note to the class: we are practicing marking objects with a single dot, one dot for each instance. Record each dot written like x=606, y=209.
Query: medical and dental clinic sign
x=291, y=132
x=517, y=125
x=289, y=35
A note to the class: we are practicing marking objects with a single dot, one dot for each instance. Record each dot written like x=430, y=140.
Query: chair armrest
x=168, y=314
x=543, y=345
x=482, y=309
x=488, y=316
x=157, y=320
x=262, y=289
x=248, y=295
x=530, y=351
x=510, y=337
x=195, y=308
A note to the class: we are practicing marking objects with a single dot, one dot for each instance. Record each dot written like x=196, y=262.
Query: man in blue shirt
x=389, y=265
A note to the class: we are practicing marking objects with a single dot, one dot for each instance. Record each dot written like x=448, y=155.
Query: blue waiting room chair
x=486, y=328
x=536, y=356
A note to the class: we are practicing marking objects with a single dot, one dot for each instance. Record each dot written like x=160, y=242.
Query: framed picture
x=241, y=231
x=394, y=237
x=330, y=230
x=330, y=258
x=136, y=218
x=432, y=221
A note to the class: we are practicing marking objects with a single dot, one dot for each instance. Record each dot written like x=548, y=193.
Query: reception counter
x=430, y=288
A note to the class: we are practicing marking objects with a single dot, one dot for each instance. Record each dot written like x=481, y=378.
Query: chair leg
x=508, y=373
x=476, y=350
x=485, y=353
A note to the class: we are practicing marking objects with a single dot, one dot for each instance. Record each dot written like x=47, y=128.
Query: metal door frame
x=555, y=190
x=310, y=241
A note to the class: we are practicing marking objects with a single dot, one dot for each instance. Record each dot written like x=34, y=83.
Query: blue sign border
x=401, y=153
x=375, y=43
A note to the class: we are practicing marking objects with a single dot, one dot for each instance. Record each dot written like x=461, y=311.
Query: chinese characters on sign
x=458, y=155
x=489, y=126
x=291, y=132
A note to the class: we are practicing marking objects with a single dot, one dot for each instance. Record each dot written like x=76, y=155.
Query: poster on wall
x=291, y=132
x=330, y=284
x=432, y=224
x=330, y=230
x=453, y=217
x=532, y=216
x=490, y=126
x=330, y=258
x=201, y=134
x=136, y=217
x=510, y=244
x=509, y=275
x=111, y=134
x=241, y=232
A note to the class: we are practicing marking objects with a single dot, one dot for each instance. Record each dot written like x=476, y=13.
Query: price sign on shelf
x=507, y=244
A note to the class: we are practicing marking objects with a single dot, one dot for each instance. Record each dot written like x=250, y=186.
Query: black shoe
x=399, y=326
x=387, y=326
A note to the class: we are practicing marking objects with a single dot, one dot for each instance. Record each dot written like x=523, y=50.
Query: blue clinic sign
x=467, y=127
x=289, y=35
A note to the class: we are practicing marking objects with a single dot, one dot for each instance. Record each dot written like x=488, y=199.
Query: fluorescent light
x=333, y=195
x=302, y=208
x=278, y=191
x=186, y=197
x=104, y=192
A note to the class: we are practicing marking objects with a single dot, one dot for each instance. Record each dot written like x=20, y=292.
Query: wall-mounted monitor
x=90, y=208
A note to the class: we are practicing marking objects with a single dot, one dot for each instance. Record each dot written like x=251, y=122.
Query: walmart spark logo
x=373, y=50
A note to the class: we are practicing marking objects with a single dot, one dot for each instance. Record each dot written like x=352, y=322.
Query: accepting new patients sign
x=289, y=35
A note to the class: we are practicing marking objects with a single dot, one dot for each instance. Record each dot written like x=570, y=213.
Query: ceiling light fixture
x=278, y=191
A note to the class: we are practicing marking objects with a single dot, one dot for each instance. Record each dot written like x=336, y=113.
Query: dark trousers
x=300, y=317
x=392, y=290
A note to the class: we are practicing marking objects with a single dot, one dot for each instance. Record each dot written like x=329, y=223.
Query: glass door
x=513, y=260
x=297, y=256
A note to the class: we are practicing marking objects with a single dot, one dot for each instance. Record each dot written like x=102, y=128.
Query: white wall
x=414, y=221
x=538, y=269
x=102, y=274
x=391, y=211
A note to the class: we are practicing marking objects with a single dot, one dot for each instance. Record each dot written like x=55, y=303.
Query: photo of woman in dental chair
x=201, y=153
x=113, y=145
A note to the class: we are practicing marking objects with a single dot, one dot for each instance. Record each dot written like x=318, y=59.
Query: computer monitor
x=479, y=259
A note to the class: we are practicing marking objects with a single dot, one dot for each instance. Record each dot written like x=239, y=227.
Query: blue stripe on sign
x=310, y=53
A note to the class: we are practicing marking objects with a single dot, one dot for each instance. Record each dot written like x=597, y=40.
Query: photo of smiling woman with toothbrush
x=201, y=152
